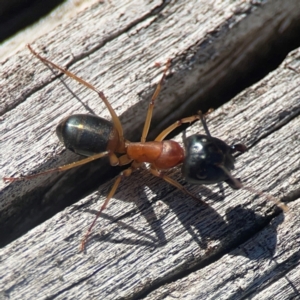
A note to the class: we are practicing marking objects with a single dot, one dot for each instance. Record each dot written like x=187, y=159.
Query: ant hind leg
x=113, y=114
x=59, y=169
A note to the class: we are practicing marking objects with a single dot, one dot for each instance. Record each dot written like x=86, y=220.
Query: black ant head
x=209, y=160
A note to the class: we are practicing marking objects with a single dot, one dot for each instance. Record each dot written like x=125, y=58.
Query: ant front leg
x=190, y=119
x=173, y=182
x=175, y=125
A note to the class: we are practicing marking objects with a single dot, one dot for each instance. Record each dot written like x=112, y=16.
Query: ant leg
x=114, y=116
x=173, y=182
x=151, y=105
x=178, y=123
x=124, y=160
x=277, y=202
x=236, y=184
x=59, y=169
x=126, y=173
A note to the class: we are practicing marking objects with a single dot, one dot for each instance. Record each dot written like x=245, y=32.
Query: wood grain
x=152, y=235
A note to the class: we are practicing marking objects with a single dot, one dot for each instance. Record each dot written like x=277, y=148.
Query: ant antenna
x=279, y=203
x=239, y=185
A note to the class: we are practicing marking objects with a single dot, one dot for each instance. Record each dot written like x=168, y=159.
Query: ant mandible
x=205, y=159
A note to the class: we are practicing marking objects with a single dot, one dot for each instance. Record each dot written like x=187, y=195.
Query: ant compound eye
x=201, y=174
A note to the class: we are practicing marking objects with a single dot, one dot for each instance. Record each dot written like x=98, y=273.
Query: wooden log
x=208, y=61
x=266, y=266
x=155, y=234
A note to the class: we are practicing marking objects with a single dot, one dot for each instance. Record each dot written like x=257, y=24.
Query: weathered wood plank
x=115, y=48
x=154, y=234
x=161, y=233
x=269, y=261
x=265, y=267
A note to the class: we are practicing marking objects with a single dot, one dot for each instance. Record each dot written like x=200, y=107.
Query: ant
x=205, y=159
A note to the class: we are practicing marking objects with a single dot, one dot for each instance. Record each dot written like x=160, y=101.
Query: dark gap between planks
x=15, y=15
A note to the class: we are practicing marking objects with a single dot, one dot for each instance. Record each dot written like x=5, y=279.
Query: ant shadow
x=75, y=96
x=203, y=223
x=259, y=236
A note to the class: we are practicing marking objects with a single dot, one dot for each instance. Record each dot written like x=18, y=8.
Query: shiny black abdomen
x=203, y=155
x=85, y=134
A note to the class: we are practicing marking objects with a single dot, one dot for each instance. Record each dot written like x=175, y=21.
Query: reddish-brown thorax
x=162, y=155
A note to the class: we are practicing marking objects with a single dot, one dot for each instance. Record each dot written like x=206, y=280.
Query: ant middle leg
x=151, y=105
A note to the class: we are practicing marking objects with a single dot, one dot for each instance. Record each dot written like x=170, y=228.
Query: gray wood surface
x=154, y=241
